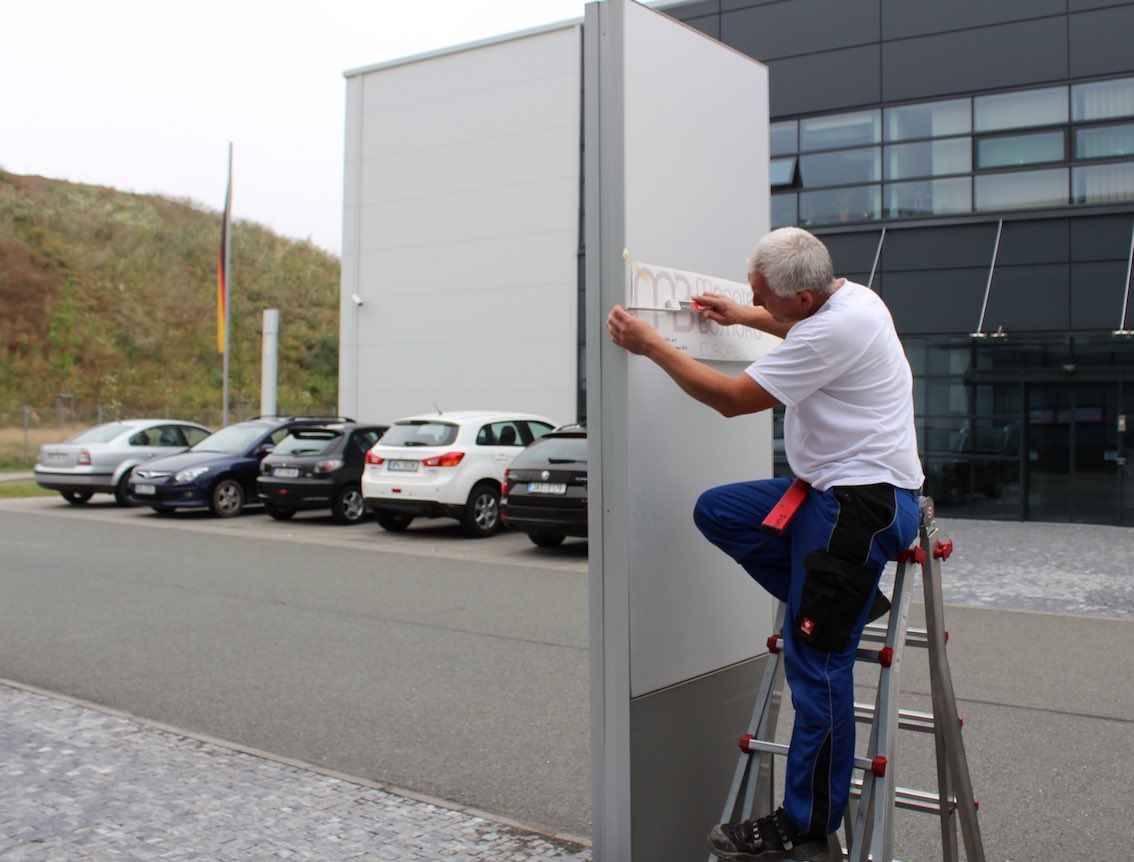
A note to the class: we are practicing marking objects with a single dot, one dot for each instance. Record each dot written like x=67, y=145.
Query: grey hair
x=793, y=260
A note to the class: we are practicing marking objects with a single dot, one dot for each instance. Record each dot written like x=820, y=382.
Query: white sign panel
x=663, y=298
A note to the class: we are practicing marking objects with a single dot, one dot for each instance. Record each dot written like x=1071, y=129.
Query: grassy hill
x=110, y=298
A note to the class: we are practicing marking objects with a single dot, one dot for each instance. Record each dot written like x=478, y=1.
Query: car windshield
x=554, y=450
x=313, y=441
x=418, y=432
x=231, y=440
x=100, y=433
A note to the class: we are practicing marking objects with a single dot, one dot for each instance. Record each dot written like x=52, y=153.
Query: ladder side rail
x=874, y=816
x=945, y=705
x=931, y=581
x=751, y=767
x=764, y=716
x=882, y=842
x=760, y=788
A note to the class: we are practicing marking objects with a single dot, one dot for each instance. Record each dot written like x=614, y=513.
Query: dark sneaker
x=767, y=839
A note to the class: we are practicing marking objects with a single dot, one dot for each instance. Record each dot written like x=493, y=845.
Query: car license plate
x=403, y=466
x=145, y=489
x=547, y=487
x=286, y=472
x=56, y=457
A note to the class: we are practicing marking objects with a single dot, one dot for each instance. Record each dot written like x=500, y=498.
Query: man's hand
x=719, y=308
x=630, y=333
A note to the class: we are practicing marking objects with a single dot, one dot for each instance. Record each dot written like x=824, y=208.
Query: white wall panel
x=433, y=222
x=466, y=175
x=696, y=198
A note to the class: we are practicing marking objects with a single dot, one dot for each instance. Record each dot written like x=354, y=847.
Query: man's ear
x=806, y=300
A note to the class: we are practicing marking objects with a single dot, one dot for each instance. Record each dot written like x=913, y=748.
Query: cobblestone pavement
x=81, y=784
x=1081, y=569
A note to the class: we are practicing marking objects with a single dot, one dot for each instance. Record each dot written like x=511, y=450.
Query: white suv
x=446, y=465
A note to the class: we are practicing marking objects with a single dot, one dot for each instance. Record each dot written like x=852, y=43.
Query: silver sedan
x=99, y=460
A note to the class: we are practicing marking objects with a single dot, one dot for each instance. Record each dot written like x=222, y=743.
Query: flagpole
x=227, y=282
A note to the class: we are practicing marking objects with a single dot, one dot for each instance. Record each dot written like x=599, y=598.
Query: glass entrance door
x=1124, y=459
x=1074, y=456
x=1048, y=454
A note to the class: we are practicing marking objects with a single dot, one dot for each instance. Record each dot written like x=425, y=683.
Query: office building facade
x=973, y=162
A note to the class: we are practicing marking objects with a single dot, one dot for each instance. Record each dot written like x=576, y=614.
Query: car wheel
x=76, y=498
x=482, y=511
x=122, y=490
x=228, y=499
x=392, y=522
x=547, y=540
x=280, y=513
x=348, y=506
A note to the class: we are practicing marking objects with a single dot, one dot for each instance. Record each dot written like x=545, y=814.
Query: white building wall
x=460, y=237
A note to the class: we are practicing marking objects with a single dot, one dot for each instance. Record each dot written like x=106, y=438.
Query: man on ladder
x=849, y=434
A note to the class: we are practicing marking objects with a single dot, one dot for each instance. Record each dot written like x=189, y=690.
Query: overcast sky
x=145, y=95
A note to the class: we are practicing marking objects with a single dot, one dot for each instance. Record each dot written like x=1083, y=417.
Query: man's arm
x=720, y=309
x=730, y=396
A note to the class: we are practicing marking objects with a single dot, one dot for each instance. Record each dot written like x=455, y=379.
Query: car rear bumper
x=566, y=520
x=417, y=508
x=93, y=482
x=295, y=493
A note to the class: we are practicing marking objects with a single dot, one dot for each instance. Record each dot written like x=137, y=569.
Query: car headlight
x=190, y=474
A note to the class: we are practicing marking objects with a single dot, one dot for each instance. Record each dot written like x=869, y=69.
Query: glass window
x=929, y=159
x=932, y=120
x=1009, y=150
x=785, y=212
x=783, y=172
x=313, y=441
x=784, y=138
x=929, y=197
x=841, y=130
x=1102, y=100
x=1102, y=142
x=100, y=433
x=841, y=167
x=194, y=435
x=1103, y=183
x=1021, y=189
x=832, y=206
x=421, y=432
x=1017, y=110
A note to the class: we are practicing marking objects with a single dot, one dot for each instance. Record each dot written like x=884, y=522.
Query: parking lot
x=422, y=659
x=441, y=538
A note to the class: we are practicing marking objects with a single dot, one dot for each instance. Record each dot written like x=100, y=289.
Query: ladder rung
x=876, y=633
x=751, y=744
x=910, y=799
x=908, y=719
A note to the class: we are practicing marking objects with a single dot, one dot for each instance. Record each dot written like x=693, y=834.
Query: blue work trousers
x=856, y=530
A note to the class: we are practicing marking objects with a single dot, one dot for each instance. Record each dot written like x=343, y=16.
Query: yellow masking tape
x=638, y=271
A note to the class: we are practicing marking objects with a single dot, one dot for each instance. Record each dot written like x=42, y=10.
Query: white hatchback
x=446, y=465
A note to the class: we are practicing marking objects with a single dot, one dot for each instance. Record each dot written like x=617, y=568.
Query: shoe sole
x=813, y=851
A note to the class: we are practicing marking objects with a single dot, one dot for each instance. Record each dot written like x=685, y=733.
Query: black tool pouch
x=834, y=594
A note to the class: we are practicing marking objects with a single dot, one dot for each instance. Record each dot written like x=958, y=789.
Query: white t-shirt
x=848, y=389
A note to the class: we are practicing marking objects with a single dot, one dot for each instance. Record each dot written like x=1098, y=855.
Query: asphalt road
x=445, y=665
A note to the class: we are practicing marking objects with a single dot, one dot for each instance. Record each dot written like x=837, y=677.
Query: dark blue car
x=218, y=473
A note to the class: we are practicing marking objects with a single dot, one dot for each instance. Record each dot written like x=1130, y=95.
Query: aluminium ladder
x=869, y=820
